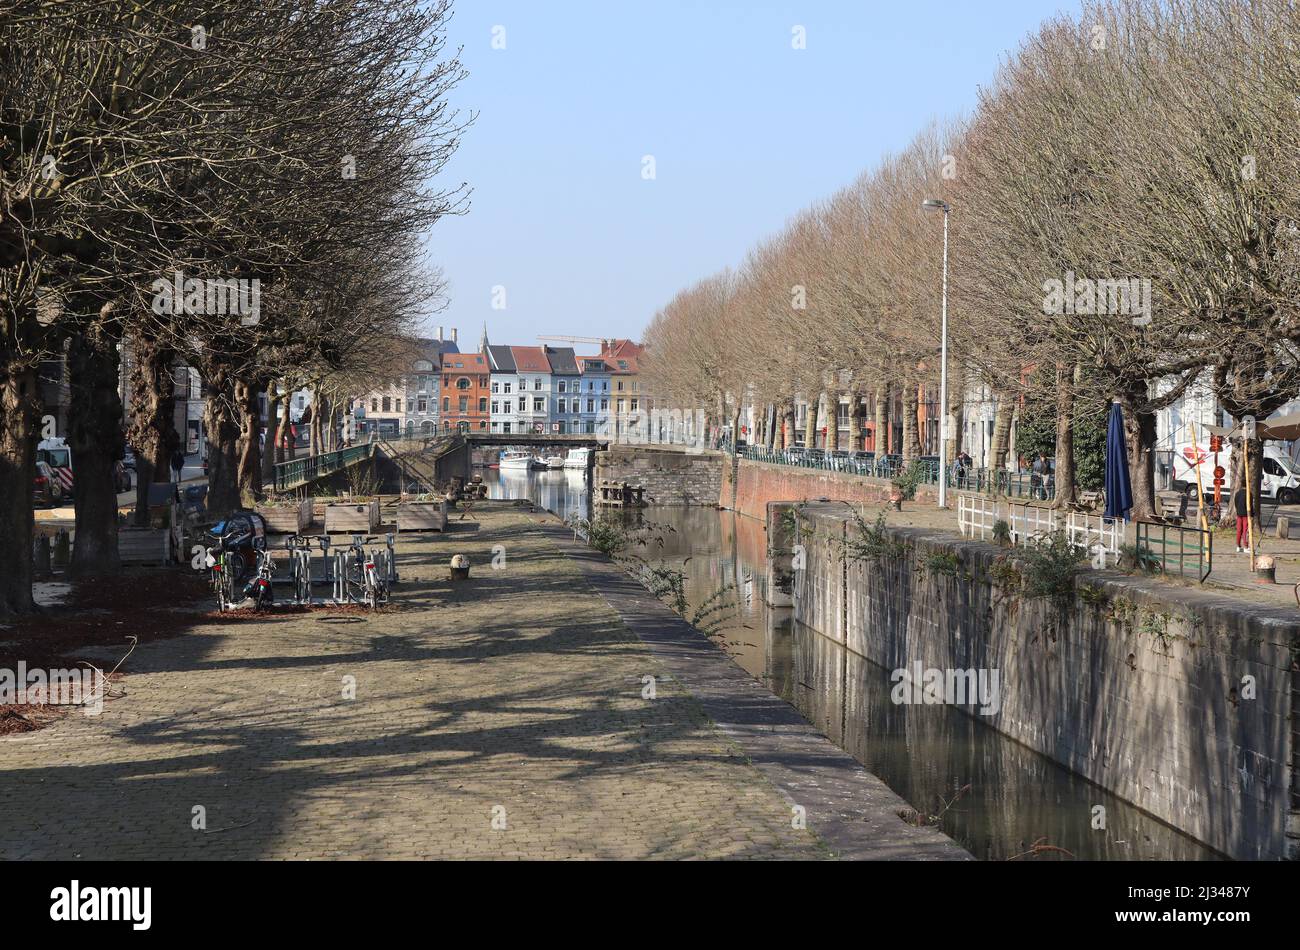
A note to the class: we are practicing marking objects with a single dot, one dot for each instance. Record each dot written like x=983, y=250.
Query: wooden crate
x=355, y=518
x=422, y=515
x=144, y=545
x=287, y=519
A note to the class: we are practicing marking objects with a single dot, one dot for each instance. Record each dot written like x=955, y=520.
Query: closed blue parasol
x=1119, y=490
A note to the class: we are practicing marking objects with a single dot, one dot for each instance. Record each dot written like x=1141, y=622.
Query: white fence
x=976, y=516
x=1101, y=537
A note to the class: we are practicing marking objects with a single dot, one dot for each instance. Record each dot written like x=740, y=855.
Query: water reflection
x=927, y=754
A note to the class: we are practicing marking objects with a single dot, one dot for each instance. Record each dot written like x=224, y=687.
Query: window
x=446, y=403
x=388, y=404
x=422, y=404
x=539, y=404
x=537, y=384
x=523, y=404
x=591, y=407
x=496, y=387
x=620, y=405
x=482, y=404
x=464, y=404
x=562, y=402
x=495, y=408
x=482, y=425
x=604, y=404
x=506, y=390
x=604, y=385
x=561, y=389
x=634, y=402
x=374, y=404
x=482, y=380
x=619, y=387
x=462, y=383
x=634, y=385
x=505, y=427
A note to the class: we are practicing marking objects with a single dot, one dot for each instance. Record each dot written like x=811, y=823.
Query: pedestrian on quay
x=1243, y=521
x=178, y=464
x=1038, y=472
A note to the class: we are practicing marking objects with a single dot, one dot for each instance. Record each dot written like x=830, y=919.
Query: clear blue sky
x=745, y=131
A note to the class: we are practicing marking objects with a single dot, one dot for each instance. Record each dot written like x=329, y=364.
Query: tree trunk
x=19, y=411
x=787, y=426
x=832, y=420
x=1065, y=381
x=911, y=406
x=271, y=450
x=223, y=437
x=855, y=423
x=880, y=437
x=810, y=423
x=953, y=422
x=152, y=431
x=96, y=441
x=1000, y=443
x=249, y=447
x=1140, y=436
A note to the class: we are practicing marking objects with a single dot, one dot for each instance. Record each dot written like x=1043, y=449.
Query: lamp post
x=933, y=203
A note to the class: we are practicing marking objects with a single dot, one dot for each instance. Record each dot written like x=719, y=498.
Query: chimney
x=439, y=334
x=453, y=334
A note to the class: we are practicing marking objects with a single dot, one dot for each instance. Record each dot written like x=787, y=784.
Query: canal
x=997, y=798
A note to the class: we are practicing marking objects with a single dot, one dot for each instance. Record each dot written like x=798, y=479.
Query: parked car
x=128, y=459
x=47, y=490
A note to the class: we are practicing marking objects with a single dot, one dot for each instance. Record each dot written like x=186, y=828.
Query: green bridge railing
x=301, y=471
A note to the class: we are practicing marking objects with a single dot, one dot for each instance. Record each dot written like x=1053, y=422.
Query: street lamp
x=933, y=204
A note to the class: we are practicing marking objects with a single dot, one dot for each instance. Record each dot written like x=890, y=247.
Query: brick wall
x=749, y=486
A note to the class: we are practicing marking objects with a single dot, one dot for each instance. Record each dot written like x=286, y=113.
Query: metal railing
x=1176, y=547
x=299, y=472
x=984, y=480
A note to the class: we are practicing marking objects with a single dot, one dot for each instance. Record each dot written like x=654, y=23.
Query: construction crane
x=574, y=339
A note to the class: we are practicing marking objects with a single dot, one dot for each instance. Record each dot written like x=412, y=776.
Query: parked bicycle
x=363, y=575
x=299, y=547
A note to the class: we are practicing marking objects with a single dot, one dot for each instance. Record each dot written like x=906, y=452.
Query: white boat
x=555, y=461
x=516, y=461
x=578, y=458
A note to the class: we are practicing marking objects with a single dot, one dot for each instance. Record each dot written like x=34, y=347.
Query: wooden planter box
x=144, y=545
x=287, y=519
x=421, y=515
x=355, y=518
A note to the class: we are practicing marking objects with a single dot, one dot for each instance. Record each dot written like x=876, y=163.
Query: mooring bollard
x=61, y=545
x=42, y=559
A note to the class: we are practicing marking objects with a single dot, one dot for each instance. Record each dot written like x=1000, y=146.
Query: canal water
x=997, y=798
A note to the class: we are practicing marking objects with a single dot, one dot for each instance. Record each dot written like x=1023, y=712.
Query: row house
x=466, y=393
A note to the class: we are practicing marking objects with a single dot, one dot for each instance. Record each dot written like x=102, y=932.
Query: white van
x=1280, y=481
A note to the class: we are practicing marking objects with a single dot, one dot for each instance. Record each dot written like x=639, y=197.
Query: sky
x=565, y=235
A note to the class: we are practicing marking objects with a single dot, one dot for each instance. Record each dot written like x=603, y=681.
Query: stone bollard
x=1283, y=527
x=61, y=548
x=42, y=560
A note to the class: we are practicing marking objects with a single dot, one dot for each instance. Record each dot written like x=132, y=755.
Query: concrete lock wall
x=669, y=475
x=1140, y=686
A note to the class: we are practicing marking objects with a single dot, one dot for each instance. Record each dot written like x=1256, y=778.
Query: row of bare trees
x=1125, y=213
x=147, y=145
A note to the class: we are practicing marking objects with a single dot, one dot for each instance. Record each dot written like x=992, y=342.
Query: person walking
x=1243, y=521
x=1037, y=474
x=178, y=465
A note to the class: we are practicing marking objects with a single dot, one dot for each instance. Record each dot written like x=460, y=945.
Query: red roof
x=467, y=361
x=530, y=359
x=622, y=355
